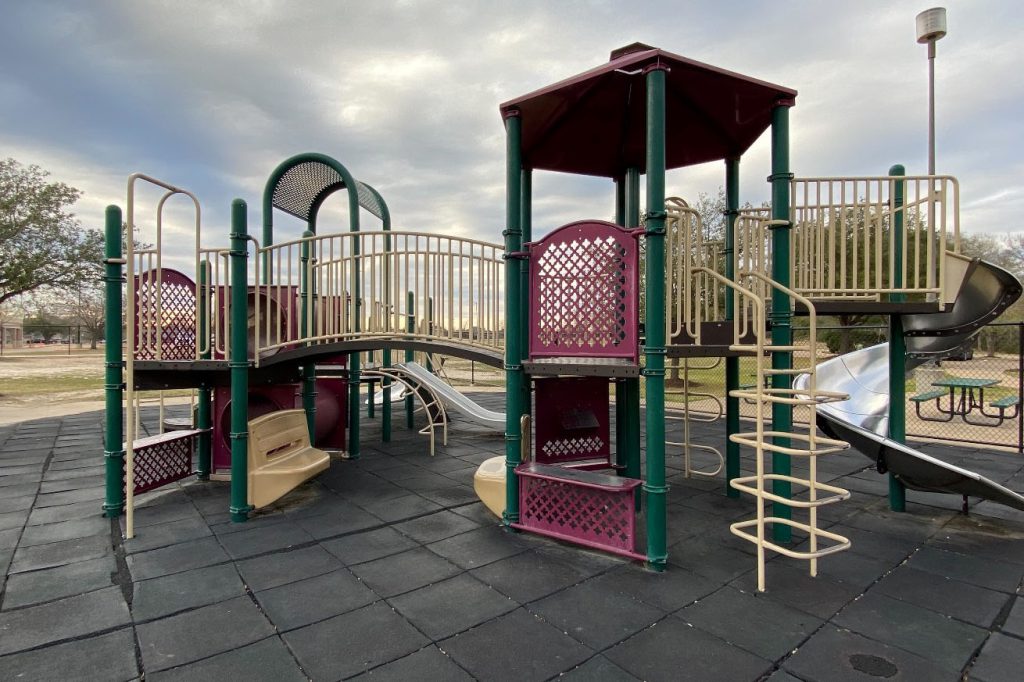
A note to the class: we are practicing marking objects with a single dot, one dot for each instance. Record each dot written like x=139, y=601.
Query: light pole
x=931, y=27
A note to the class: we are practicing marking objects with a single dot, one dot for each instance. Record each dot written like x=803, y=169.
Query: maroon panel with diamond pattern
x=584, y=292
x=162, y=460
x=596, y=516
x=572, y=422
x=165, y=309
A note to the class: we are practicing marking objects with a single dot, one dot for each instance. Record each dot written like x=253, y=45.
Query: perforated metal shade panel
x=302, y=187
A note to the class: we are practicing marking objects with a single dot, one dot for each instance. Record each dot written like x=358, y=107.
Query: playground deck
x=390, y=566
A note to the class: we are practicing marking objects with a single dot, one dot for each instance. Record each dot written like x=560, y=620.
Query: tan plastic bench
x=280, y=456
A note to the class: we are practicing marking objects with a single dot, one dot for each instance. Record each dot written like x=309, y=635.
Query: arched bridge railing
x=388, y=284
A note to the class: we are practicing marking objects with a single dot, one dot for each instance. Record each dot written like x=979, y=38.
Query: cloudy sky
x=211, y=95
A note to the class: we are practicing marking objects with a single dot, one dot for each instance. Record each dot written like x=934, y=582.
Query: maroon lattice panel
x=572, y=423
x=590, y=509
x=163, y=459
x=165, y=316
x=584, y=292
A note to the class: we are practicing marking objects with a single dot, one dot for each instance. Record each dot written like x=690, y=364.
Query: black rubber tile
x=54, y=583
x=1000, y=659
x=669, y=590
x=267, y=660
x=60, y=486
x=477, y=513
x=429, y=663
x=166, y=512
x=1014, y=624
x=984, y=572
x=535, y=650
x=16, y=503
x=947, y=643
x=21, y=490
x=597, y=669
x=261, y=540
x=61, y=553
x=877, y=546
x=190, y=636
x=70, y=496
x=434, y=527
x=166, y=534
x=351, y=520
x=314, y=599
x=673, y=649
x=761, y=626
x=159, y=597
x=65, y=512
x=357, y=641
x=478, y=547
x=368, y=546
x=81, y=659
x=596, y=616
x=833, y=654
x=176, y=558
x=529, y=576
x=65, y=530
x=791, y=584
x=9, y=538
x=949, y=597
x=712, y=559
x=15, y=519
x=445, y=608
x=63, y=619
x=400, y=508
x=404, y=572
x=281, y=568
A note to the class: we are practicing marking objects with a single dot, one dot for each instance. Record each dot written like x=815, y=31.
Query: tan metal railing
x=457, y=286
x=843, y=245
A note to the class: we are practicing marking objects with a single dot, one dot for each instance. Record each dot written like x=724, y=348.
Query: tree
x=42, y=244
x=86, y=307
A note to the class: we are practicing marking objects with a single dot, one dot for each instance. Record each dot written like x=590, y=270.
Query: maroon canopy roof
x=594, y=123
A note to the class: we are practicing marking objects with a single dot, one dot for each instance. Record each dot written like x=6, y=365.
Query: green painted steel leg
x=113, y=377
x=203, y=402
x=385, y=407
x=514, y=382
x=370, y=408
x=897, y=347
x=306, y=295
x=732, y=364
x=410, y=326
x=239, y=364
x=654, y=350
x=782, y=330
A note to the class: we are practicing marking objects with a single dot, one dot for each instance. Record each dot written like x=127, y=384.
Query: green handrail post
x=526, y=223
x=238, y=362
x=620, y=385
x=410, y=326
x=782, y=329
x=627, y=418
x=654, y=319
x=113, y=379
x=732, y=364
x=306, y=310
x=897, y=343
x=514, y=407
x=203, y=411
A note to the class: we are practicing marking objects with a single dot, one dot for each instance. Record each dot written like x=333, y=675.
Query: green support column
x=781, y=315
x=897, y=346
x=620, y=384
x=239, y=363
x=732, y=364
x=306, y=297
x=385, y=384
x=410, y=326
x=654, y=319
x=627, y=417
x=514, y=382
x=203, y=411
x=113, y=379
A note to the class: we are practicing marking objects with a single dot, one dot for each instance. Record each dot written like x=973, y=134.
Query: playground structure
x=570, y=317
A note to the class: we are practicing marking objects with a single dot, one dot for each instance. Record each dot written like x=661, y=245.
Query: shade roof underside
x=595, y=123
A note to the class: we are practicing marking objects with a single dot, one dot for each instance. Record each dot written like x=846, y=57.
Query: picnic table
x=970, y=400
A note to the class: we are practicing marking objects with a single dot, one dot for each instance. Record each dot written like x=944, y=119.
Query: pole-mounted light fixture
x=931, y=27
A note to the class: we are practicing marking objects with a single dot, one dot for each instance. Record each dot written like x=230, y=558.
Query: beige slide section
x=489, y=484
x=280, y=456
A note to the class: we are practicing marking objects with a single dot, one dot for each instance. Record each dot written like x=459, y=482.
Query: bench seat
x=928, y=395
x=1003, y=403
x=280, y=456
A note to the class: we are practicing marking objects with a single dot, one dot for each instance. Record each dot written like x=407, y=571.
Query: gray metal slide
x=451, y=398
x=863, y=419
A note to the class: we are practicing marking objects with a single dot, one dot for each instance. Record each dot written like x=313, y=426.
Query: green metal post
x=203, y=411
x=620, y=384
x=513, y=315
x=306, y=298
x=239, y=363
x=897, y=345
x=385, y=384
x=410, y=326
x=782, y=329
x=654, y=318
x=627, y=417
x=732, y=364
x=113, y=380
x=526, y=222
